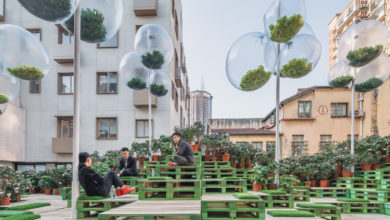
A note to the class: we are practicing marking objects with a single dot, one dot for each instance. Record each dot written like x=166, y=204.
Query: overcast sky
x=211, y=27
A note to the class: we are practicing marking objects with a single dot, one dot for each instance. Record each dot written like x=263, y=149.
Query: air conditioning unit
x=363, y=6
x=359, y=113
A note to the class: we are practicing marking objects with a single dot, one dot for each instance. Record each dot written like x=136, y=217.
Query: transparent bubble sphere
x=154, y=46
x=9, y=88
x=132, y=72
x=284, y=19
x=159, y=83
x=251, y=61
x=300, y=56
x=55, y=11
x=363, y=42
x=3, y=108
x=372, y=75
x=100, y=20
x=23, y=54
x=340, y=76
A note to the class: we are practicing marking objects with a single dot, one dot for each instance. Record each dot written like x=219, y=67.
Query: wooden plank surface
x=218, y=197
x=156, y=208
x=124, y=198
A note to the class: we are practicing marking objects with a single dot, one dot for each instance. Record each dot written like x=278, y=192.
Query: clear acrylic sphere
x=3, y=108
x=132, y=72
x=100, y=20
x=251, y=61
x=154, y=46
x=290, y=9
x=341, y=75
x=372, y=75
x=367, y=33
x=55, y=11
x=9, y=88
x=159, y=83
x=300, y=56
x=23, y=54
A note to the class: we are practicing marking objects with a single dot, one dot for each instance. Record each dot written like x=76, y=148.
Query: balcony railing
x=178, y=77
x=62, y=145
x=140, y=99
x=63, y=53
x=145, y=7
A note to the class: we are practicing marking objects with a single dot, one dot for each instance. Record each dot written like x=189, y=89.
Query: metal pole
x=76, y=113
x=150, y=117
x=277, y=147
x=353, y=119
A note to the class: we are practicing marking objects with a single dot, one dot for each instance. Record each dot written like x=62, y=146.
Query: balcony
x=63, y=53
x=62, y=145
x=145, y=7
x=140, y=99
x=178, y=78
x=183, y=64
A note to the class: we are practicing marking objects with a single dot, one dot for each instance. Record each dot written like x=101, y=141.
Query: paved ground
x=58, y=210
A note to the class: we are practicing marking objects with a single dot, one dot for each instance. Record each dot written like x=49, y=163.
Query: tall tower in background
x=201, y=107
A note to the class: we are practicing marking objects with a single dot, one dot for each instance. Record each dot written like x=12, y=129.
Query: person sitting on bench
x=185, y=154
x=127, y=164
x=94, y=184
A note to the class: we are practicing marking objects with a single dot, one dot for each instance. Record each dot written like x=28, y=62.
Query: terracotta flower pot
x=272, y=187
x=206, y=158
x=195, y=148
x=308, y=183
x=257, y=187
x=336, y=175
x=241, y=166
x=56, y=191
x=324, y=183
x=339, y=168
x=386, y=159
x=375, y=166
x=314, y=183
x=19, y=197
x=41, y=190
x=48, y=191
x=249, y=166
x=31, y=191
x=347, y=174
x=5, y=200
x=296, y=184
x=214, y=159
x=271, y=175
x=234, y=165
x=366, y=166
x=226, y=157
x=155, y=157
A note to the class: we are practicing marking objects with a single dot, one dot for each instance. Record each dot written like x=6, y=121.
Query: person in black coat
x=127, y=164
x=96, y=185
x=185, y=154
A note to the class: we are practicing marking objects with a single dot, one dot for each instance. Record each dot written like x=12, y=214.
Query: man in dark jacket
x=127, y=164
x=185, y=154
x=94, y=184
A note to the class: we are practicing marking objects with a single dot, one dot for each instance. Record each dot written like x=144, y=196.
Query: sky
x=210, y=27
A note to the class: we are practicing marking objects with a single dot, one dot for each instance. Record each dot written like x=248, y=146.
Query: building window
x=36, y=32
x=176, y=101
x=137, y=27
x=325, y=140
x=272, y=119
x=35, y=86
x=107, y=83
x=173, y=8
x=177, y=28
x=339, y=110
x=65, y=127
x=111, y=43
x=65, y=83
x=64, y=37
x=2, y=10
x=258, y=145
x=270, y=146
x=356, y=137
x=107, y=128
x=304, y=109
x=298, y=146
x=142, y=130
x=172, y=90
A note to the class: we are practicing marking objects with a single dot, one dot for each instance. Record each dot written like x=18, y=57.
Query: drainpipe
x=361, y=98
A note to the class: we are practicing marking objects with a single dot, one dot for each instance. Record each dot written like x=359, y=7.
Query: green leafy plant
x=136, y=83
x=368, y=85
x=100, y=168
x=92, y=27
x=286, y=183
x=26, y=72
x=3, y=99
x=341, y=81
x=29, y=206
x=325, y=171
x=49, y=10
x=158, y=90
x=47, y=182
x=362, y=56
x=286, y=28
x=347, y=161
x=141, y=149
x=153, y=60
x=260, y=174
x=254, y=79
x=296, y=68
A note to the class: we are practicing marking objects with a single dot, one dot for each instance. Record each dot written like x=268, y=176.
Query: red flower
x=112, y=168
